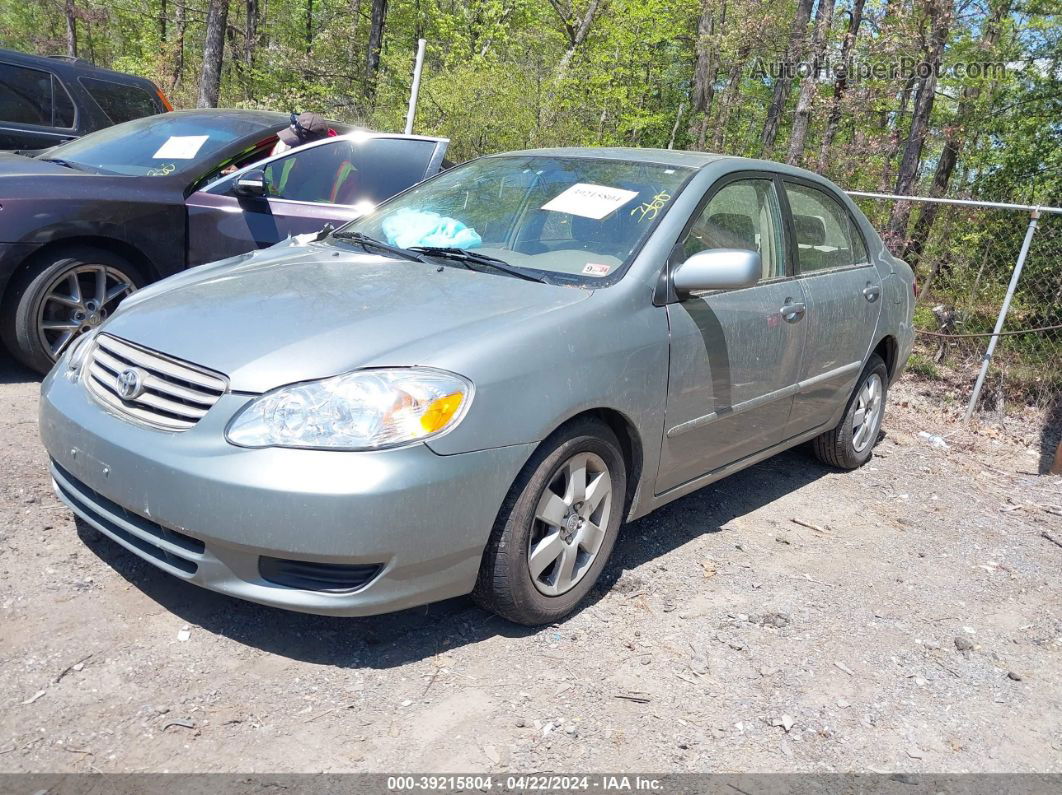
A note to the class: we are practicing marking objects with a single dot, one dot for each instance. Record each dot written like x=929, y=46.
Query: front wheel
x=62, y=297
x=557, y=527
x=851, y=443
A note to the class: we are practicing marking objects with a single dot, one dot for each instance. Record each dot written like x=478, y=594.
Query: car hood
x=12, y=165
x=298, y=312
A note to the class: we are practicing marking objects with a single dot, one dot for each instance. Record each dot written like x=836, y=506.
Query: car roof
x=668, y=157
x=268, y=119
x=68, y=66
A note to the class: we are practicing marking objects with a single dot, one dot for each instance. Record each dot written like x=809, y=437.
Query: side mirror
x=718, y=269
x=250, y=183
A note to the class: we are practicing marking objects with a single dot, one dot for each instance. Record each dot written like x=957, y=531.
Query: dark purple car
x=84, y=224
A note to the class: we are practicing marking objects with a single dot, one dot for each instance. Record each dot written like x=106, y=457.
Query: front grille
x=171, y=394
x=307, y=575
x=151, y=539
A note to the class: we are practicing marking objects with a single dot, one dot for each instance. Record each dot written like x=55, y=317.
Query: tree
x=809, y=85
x=954, y=140
x=372, y=57
x=706, y=68
x=71, y=28
x=793, y=53
x=940, y=14
x=213, y=53
x=840, y=83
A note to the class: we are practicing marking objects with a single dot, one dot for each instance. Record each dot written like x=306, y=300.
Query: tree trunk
x=250, y=33
x=730, y=98
x=71, y=29
x=793, y=53
x=840, y=83
x=809, y=85
x=705, y=70
x=213, y=54
x=576, y=35
x=940, y=14
x=954, y=140
x=372, y=58
x=309, y=26
x=178, y=61
x=162, y=20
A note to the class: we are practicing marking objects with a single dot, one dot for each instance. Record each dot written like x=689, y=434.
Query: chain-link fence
x=965, y=256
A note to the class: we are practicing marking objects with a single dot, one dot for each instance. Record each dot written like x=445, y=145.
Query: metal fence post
x=1003, y=312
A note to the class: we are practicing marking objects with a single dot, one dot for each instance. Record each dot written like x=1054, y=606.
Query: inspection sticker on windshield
x=589, y=201
x=180, y=147
x=596, y=269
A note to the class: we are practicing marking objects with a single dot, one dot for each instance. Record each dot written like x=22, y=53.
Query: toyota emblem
x=130, y=384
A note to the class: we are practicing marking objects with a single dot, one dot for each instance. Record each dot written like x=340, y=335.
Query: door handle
x=791, y=313
x=871, y=292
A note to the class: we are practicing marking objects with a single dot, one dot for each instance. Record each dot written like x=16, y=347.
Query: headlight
x=77, y=354
x=363, y=410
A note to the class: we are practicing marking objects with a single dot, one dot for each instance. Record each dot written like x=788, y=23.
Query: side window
x=26, y=97
x=311, y=175
x=62, y=105
x=349, y=172
x=119, y=101
x=744, y=214
x=823, y=234
x=859, y=247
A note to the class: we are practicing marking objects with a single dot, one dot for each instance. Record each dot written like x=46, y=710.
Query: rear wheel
x=851, y=443
x=557, y=527
x=60, y=298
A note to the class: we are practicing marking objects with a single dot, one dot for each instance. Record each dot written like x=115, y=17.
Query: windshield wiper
x=467, y=257
x=61, y=162
x=368, y=242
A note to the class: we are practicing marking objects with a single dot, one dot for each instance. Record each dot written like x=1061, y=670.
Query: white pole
x=1003, y=313
x=416, y=86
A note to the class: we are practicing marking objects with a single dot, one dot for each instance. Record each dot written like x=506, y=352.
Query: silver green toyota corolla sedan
x=471, y=388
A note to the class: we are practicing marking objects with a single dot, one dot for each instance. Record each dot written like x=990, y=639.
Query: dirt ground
x=904, y=617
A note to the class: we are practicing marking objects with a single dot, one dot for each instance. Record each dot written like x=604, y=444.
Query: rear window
x=119, y=101
x=33, y=96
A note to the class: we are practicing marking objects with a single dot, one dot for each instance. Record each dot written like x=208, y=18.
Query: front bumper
x=207, y=511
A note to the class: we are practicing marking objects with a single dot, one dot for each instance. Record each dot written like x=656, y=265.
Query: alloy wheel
x=77, y=302
x=569, y=525
x=867, y=413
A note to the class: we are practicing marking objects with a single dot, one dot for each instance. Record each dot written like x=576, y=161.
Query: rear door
x=333, y=181
x=843, y=292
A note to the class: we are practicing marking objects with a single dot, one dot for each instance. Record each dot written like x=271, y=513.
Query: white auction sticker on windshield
x=596, y=269
x=589, y=201
x=180, y=147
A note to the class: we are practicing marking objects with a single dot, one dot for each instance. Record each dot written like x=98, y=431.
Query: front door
x=334, y=181
x=735, y=354
x=843, y=292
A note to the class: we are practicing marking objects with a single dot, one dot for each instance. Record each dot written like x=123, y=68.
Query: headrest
x=810, y=230
x=733, y=230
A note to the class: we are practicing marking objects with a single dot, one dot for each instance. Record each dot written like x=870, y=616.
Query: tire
x=506, y=583
x=851, y=443
x=39, y=300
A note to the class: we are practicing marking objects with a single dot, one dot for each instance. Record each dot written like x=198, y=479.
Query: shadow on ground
x=11, y=372
x=397, y=638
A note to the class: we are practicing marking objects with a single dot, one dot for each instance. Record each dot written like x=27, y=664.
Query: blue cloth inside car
x=424, y=228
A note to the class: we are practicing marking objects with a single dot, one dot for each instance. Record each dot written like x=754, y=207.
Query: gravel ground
x=905, y=617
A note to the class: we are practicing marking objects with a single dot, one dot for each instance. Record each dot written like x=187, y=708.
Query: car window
x=579, y=219
x=859, y=247
x=349, y=171
x=33, y=96
x=821, y=226
x=120, y=101
x=743, y=214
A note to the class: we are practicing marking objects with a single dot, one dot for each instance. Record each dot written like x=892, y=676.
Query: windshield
x=579, y=219
x=169, y=143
